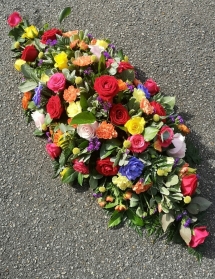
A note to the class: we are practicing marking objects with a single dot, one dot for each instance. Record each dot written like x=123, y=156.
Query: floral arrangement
x=106, y=128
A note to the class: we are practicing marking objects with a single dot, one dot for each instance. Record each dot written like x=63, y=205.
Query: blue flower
x=133, y=169
x=144, y=89
x=36, y=98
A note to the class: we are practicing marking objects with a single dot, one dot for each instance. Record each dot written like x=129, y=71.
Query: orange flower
x=184, y=170
x=25, y=99
x=127, y=195
x=120, y=207
x=70, y=94
x=157, y=146
x=83, y=45
x=106, y=131
x=73, y=44
x=140, y=187
x=70, y=33
x=102, y=203
x=93, y=42
x=184, y=129
x=136, y=82
x=109, y=199
x=146, y=107
x=56, y=136
x=122, y=85
x=82, y=61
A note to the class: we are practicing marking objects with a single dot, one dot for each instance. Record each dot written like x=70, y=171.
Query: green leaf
x=69, y=176
x=48, y=119
x=202, y=202
x=115, y=219
x=29, y=72
x=112, y=204
x=166, y=220
x=170, y=101
x=83, y=102
x=93, y=182
x=186, y=234
x=38, y=133
x=150, y=133
x=172, y=180
x=64, y=13
x=164, y=191
x=27, y=85
x=84, y=117
x=101, y=65
x=134, y=218
x=127, y=75
x=31, y=105
x=16, y=32
x=80, y=178
x=193, y=208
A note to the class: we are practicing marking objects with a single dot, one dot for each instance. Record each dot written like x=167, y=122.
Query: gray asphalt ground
x=50, y=230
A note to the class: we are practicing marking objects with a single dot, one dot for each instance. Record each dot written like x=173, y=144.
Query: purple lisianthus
x=144, y=89
x=133, y=169
x=106, y=55
x=187, y=223
x=37, y=96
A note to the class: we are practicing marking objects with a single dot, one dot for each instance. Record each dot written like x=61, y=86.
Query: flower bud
x=126, y=144
x=109, y=199
x=102, y=189
x=187, y=199
x=127, y=195
x=78, y=80
x=156, y=117
x=160, y=172
x=76, y=151
x=94, y=58
x=40, y=55
x=17, y=45
x=44, y=127
x=102, y=203
x=126, y=58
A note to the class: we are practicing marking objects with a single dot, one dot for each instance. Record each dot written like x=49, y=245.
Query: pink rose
x=56, y=82
x=152, y=86
x=189, y=184
x=138, y=144
x=14, y=19
x=53, y=150
x=39, y=119
x=80, y=167
x=87, y=131
x=179, y=146
x=109, y=62
x=198, y=237
x=165, y=136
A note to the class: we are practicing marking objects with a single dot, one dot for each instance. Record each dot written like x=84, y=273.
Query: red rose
x=14, y=19
x=158, y=109
x=54, y=107
x=124, y=66
x=106, y=168
x=50, y=35
x=119, y=114
x=106, y=86
x=53, y=150
x=30, y=53
x=138, y=144
x=189, y=184
x=198, y=237
x=152, y=86
x=80, y=167
x=165, y=136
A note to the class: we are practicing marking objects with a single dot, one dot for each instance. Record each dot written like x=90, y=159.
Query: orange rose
x=122, y=85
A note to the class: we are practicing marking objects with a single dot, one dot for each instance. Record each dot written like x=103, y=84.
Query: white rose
x=87, y=131
x=39, y=119
x=180, y=146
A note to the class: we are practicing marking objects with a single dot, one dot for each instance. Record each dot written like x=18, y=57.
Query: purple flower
x=94, y=144
x=104, y=104
x=133, y=169
x=97, y=195
x=178, y=217
x=180, y=119
x=187, y=223
x=90, y=36
x=40, y=62
x=37, y=96
x=130, y=86
x=88, y=71
x=112, y=46
x=172, y=118
x=50, y=42
x=106, y=55
x=144, y=89
x=176, y=160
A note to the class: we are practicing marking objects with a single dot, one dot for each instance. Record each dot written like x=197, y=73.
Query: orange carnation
x=184, y=129
x=106, y=131
x=82, y=61
x=56, y=136
x=70, y=33
x=73, y=44
x=146, y=107
x=140, y=187
x=93, y=42
x=83, y=45
x=70, y=94
x=122, y=85
x=25, y=99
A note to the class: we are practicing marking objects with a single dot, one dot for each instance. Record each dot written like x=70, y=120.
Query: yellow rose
x=30, y=32
x=18, y=64
x=102, y=43
x=61, y=60
x=138, y=95
x=135, y=125
x=73, y=109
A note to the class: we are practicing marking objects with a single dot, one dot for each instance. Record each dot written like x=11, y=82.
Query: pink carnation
x=138, y=144
x=80, y=167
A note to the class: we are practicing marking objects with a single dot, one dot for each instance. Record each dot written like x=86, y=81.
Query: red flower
x=50, y=35
x=119, y=114
x=14, y=19
x=106, y=86
x=158, y=109
x=138, y=144
x=198, y=237
x=80, y=167
x=56, y=82
x=152, y=86
x=54, y=107
x=124, y=66
x=30, y=53
x=189, y=184
x=105, y=167
x=165, y=136
x=53, y=150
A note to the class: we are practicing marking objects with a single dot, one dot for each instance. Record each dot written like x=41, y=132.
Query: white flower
x=96, y=50
x=39, y=119
x=87, y=131
x=180, y=146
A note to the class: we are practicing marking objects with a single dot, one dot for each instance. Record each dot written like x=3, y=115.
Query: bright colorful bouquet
x=107, y=128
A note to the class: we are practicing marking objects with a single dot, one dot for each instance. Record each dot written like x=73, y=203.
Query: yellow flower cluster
x=122, y=182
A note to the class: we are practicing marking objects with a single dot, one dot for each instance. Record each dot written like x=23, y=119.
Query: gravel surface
x=50, y=230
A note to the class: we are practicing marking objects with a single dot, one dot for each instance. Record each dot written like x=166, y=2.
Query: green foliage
x=64, y=13
x=85, y=117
